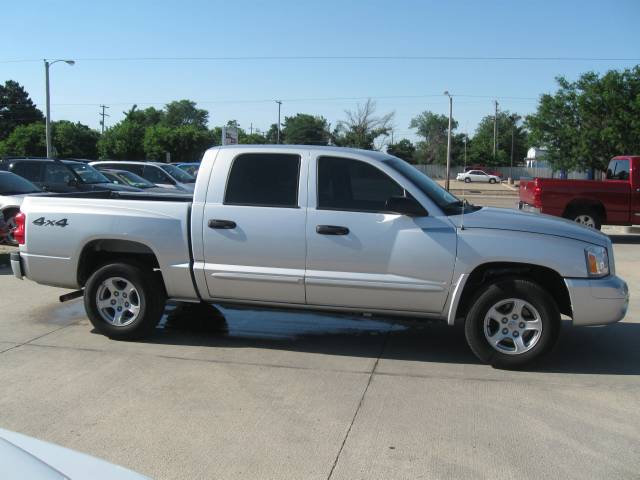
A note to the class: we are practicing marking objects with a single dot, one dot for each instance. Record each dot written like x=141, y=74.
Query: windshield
x=87, y=173
x=11, y=184
x=449, y=203
x=177, y=173
x=134, y=180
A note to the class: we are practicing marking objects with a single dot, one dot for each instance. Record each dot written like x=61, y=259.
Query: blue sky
x=244, y=90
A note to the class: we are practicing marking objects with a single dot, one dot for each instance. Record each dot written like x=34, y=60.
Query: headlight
x=597, y=261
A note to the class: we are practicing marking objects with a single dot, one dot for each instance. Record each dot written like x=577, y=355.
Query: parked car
x=24, y=457
x=163, y=175
x=125, y=177
x=593, y=203
x=477, y=176
x=191, y=168
x=61, y=176
x=12, y=190
x=485, y=169
x=324, y=228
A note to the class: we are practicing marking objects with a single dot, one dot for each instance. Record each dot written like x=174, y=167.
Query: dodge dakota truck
x=613, y=201
x=323, y=228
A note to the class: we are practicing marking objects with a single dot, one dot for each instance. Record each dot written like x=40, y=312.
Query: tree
x=433, y=128
x=272, y=134
x=362, y=127
x=586, y=122
x=184, y=112
x=16, y=108
x=70, y=140
x=481, y=146
x=404, y=149
x=304, y=129
x=123, y=141
x=186, y=143
x=25, y=141
x=148, y=117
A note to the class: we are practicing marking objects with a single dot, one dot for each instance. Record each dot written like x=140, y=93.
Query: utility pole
x=251, y=129
x=514, y=119
x=495, y=132
x=446, y=182
x=279, y=102
x=47, y=124
x=465, y=149
x=102, y=119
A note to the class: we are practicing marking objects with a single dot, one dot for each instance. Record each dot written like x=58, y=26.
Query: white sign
x=229, y=135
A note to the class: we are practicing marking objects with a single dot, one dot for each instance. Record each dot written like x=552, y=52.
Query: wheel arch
x=577, y=204
x=97, y=253
x=548, y=279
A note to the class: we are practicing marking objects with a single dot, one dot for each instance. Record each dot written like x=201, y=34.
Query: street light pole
x=514, y=119
x=279, y=102
x=495, y=132
x=446, y=182
x=47, y=128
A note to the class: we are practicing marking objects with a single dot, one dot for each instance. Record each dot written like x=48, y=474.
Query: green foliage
x=403, y=149
x=186, y=143
x=588, y=121
x=272, y=134
x=481, y=147
x=184, y=112
x=362, y=127
x=24, y=141
x=123, y=141
x=433, y=128
x=70, y=140
x=16, y=108
x=305, y=129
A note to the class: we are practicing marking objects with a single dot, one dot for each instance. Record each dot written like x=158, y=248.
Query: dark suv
x=61, y=176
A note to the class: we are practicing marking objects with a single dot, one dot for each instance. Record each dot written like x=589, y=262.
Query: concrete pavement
x=289, y=396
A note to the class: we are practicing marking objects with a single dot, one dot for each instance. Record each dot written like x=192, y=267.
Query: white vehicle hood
x=516, y=221
x=23, y=457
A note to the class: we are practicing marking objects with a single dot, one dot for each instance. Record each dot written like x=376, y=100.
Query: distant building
x=536, y=158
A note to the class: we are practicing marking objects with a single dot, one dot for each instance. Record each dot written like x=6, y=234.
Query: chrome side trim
x=455, y=298
x=348, y=283
x=257, y=277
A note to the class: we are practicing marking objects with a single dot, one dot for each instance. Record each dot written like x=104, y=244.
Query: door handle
x=331, y=230
x=224, y=224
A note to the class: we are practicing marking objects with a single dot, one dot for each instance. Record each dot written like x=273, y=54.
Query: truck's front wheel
x=123, y=301
x=512, y=323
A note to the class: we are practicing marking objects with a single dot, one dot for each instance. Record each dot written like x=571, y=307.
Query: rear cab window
x=263, y=180
x=618, y=169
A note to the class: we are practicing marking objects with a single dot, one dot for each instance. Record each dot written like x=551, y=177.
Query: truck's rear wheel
x=587, y=217
x=124, y=301
x=512, y=323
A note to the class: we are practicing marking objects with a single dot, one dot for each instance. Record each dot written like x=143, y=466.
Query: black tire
x=150, y=297
x=492, y=180
x=505, y=289
x=467, y=180
x=580, y=214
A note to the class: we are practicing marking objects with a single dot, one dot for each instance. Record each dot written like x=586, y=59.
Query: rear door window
x=156, y=175
x=618, y=170
x=30, y=170
x=264, y=180
x=56, y=173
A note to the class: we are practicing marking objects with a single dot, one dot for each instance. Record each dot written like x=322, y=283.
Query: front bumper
x=16, y=265
x=525, y=207
x=598, y=301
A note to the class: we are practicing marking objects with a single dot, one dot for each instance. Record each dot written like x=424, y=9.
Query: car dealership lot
x=287, y=395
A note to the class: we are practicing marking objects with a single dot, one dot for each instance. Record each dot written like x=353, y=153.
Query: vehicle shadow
x=612, y=349
x=625, y=239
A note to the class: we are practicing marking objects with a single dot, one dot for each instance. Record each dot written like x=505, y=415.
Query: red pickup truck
x=613, y=201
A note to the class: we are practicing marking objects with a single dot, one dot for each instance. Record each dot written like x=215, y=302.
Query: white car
x=477, y=176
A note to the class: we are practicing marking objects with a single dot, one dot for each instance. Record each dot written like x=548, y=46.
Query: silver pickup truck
x=323, y=228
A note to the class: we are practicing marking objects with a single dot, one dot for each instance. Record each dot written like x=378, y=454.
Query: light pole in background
x=446, y=182
x=514, y=121
x=47, y=129
x=495, y=132
x=279, y=102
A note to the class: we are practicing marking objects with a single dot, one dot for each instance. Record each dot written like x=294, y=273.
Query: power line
x=342, y=57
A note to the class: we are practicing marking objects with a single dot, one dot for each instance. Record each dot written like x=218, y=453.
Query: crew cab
x=613, y=201
x=323, y=228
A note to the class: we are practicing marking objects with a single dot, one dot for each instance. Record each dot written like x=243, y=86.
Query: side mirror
x=406, y=206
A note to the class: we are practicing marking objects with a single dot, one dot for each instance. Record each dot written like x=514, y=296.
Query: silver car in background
x=163, y=175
